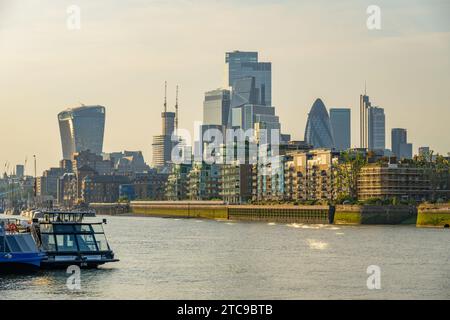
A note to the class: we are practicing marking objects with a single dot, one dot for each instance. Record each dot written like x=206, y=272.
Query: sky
x=125, y=50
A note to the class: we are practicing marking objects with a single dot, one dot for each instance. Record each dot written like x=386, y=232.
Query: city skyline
x=131, y=88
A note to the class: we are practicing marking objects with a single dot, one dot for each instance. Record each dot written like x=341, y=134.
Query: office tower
x=377, y=129
x=364, y=105
x=341, y=124
x=372, y=124
x=424, y=152
x=240, y=64
x=216, y=107
x=318, y=132
x=20, y=170
x=246, y=113
x=399, y=144
x=162, y=144
x=82, y=129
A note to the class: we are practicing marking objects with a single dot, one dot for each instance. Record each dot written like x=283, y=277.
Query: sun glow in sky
x=125, y=50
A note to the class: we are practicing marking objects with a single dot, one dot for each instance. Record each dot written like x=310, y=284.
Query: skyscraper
x=341, y=124
x=318, y=132
x=399, y=144
x=372, y=124
x=364, y=105
x=240, y=64
x=377, y=129
x=20, y=170
x=216, y=107
x=82, y=129
x=162, y=144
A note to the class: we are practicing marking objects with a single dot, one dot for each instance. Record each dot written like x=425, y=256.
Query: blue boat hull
x=20, y=261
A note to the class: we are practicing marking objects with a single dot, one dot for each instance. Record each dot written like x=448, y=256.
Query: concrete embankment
x=110, y=208
x=433, y=215
x=341, y=214
x=282, y=213
x=368, y=214
x=181, y=209
x=219, y=210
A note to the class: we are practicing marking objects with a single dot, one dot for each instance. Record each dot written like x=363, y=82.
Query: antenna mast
x=165, y=96
x=176, y=110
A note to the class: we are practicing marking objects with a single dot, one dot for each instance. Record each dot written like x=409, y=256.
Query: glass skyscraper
x=372, y=125
x=82, y=129
x=240, y=64
x=341, y=123
x=318, y=132
x=399, y=144
x=377, y=129
x=216, y=107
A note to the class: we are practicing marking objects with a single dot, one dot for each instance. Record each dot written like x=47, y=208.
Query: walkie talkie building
x=82, y=129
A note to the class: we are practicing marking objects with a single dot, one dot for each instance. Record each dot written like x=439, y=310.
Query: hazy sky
x=125, y=50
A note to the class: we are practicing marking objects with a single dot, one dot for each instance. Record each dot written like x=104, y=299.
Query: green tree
x=347, y=173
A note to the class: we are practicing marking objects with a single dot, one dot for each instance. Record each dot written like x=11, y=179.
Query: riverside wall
x=423, y=216
x=219, y=210
x=110, y=208
x=370, y=214
x=433, y=215
x=181, y=209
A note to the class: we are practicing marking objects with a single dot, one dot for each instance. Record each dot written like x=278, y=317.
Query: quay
x=422, y=216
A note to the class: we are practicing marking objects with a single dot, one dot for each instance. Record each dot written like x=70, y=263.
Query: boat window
x=63, y=228
x=101, y=242
x=48, y=242
x=24, y=245
x=66, y=242
x=13, y=245
x=98, y=228
x=86, y=242
x=83, y=228
x=46, y=228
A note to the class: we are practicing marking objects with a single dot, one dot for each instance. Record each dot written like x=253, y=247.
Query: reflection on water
x=182, y=258
x=317, y=245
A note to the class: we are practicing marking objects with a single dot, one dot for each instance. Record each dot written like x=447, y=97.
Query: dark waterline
x=204, y=259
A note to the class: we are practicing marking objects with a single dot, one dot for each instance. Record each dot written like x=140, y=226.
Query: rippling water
x=203, y=259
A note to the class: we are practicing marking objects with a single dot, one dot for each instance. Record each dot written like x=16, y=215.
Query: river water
x=205, y=259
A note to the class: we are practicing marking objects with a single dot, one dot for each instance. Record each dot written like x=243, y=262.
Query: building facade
x=204, y=181
x=82, y=129
x=101, y=188
x=341, y=124
x=399, y=144
x=377, y=129
x=240, y=64
x=163, y=144
x=318, y=131
x=236, y=182
x=216, y=107
x=387, y=181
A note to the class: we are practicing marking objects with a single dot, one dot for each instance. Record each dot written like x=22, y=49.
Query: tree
x=347, y=173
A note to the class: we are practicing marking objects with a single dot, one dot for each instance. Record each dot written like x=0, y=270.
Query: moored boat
x=67, y=240
x=18, y=251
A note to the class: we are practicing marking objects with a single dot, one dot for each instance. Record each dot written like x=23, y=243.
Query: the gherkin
x=318, y=132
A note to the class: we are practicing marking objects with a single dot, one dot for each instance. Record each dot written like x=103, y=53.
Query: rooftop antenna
x=165, y=96
x=365, y=88
x=176, y=110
